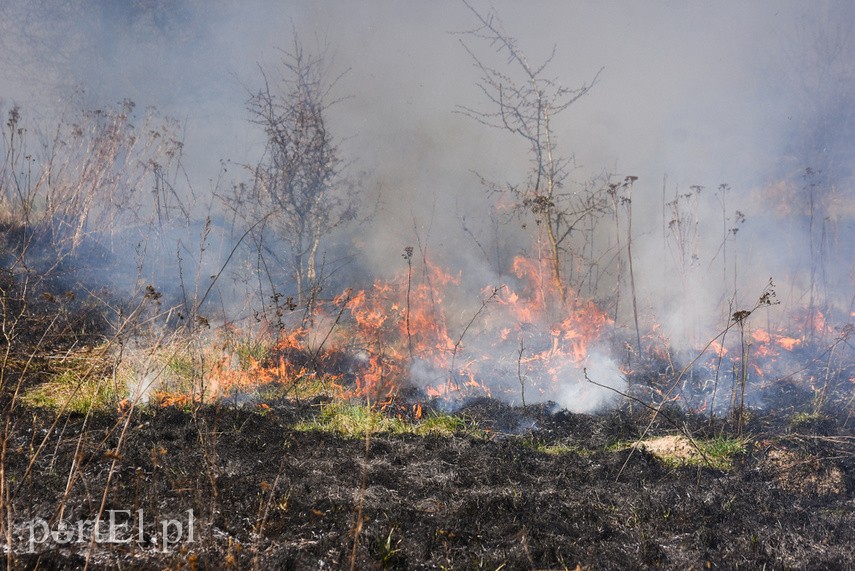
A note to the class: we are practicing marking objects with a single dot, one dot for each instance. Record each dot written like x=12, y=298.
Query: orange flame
x=403, y=325
x=409, y=331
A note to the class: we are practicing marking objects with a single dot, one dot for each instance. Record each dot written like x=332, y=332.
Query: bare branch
x=524, y=101
x=300, y=181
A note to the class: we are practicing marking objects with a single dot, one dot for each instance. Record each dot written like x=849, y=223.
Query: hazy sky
x=703, y=92
x=691, y=88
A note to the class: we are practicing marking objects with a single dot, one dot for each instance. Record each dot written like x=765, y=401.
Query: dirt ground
x=534, y=490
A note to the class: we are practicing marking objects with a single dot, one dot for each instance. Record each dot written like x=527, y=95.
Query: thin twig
x=457, y=343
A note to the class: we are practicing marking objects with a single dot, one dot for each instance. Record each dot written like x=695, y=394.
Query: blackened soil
x=266, y=496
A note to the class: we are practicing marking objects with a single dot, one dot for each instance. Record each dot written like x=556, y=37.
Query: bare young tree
x=299, y=183
x=525, y=102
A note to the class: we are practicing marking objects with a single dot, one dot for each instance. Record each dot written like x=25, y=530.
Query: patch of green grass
x=355, y=420
x=802, y=420
x=75, y=391
x=722, y=450
x=310, y=386
x=620, y=445
x=559, y=448
x=303, y=387
x=439, y=424
x=351, y=420
x=553, y=449
x=251, y=350
x=182, y=366
x=181, y=375
x=272, y=391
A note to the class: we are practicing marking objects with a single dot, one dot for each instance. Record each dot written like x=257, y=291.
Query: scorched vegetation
x=238, y=396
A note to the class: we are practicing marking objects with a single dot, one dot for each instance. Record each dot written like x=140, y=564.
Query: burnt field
x=278, y=486
x=409, y=285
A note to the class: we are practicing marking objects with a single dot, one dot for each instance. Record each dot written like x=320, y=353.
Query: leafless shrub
x=524, y=101
x=299, y=186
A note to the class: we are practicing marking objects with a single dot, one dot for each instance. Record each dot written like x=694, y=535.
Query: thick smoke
x=747, y=94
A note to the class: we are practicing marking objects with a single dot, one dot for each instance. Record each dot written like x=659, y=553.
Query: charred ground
x=511, y=488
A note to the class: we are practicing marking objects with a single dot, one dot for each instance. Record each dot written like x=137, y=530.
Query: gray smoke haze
x=691, y=93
